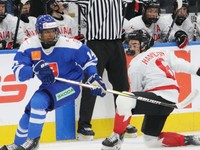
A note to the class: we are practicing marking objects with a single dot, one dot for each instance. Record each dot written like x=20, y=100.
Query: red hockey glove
x=80, y=37
x=181, y=38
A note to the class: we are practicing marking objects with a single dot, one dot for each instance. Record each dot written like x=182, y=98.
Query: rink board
x=14, y=96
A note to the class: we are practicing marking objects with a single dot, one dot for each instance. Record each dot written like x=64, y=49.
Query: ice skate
x=85, y=134
x=113, y=142
x=9, y=147
x=131, y=132
x=30, y=144
x=192, y=140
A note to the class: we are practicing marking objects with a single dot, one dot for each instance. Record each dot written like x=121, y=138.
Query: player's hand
x=44, y=72
x=181, y=38
x=100, y=88
x=5, y=45
x=80, y=37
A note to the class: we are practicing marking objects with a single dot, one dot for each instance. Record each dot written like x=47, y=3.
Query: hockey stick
x=18, y=22
x=182, y=104
x=176, y=15
x=195, y=22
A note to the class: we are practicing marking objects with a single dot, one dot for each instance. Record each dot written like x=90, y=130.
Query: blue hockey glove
x=44, y=72
x=100, y=89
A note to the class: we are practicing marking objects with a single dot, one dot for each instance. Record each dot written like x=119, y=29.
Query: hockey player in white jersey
x=152, y=76
x=150, y=21
x=7, y=29
x=182, y=30
x=67, y=25
x=47, y=55
x=29, y=21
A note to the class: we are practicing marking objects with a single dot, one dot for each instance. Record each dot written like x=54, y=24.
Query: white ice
x=129, y=144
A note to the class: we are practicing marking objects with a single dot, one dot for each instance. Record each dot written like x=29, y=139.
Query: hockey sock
x=171, y=139
x=39, y=103
x=120, y=124
x=22, y=130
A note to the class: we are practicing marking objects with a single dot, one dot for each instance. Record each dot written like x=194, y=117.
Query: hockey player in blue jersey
x=47, y=55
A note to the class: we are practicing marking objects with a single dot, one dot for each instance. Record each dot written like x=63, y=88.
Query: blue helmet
x=46, y=22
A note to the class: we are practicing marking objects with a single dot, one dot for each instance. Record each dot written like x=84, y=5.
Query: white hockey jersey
x=157, y=30
x=198, y=28
x=186, y=26
x=154, y=71
x=8, y=29
x=67, y=26
x=29, y=28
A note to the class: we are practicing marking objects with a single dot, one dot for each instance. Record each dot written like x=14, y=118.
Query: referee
x=103, y=35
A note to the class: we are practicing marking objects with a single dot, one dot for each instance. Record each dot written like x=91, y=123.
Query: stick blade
x=188, y=99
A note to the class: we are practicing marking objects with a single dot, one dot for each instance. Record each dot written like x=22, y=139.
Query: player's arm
x=181, y=65
x=88, y=61
x=22, y=67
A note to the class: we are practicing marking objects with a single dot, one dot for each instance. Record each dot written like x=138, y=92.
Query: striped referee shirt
x=103, y=18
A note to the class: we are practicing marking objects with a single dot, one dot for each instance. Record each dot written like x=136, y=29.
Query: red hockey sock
x=171, y=139
x=120, y=124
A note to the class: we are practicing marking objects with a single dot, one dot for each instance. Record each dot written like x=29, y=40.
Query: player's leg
x=87, y=103
x=122, y=119
x=171, y=139
x=39, y=104
x=30, y=126
x=117, y=75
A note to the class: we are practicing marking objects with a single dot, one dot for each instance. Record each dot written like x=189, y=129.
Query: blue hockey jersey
x=69, y=59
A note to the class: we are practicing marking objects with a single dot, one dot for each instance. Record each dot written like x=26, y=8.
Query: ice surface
x=129, y=144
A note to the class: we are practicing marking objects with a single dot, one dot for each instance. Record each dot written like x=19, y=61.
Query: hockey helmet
x=180, y=19
x=52, y=6
x=150, y=4
x=146, y=41
x=46, y=22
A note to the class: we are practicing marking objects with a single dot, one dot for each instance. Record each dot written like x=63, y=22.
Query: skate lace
x=129, y=126
x=113, y=137
x=88, y=129
x=27, y=144
x=11, y=147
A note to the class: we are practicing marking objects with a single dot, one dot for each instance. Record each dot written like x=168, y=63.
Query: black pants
x=111, y=57
x=155, y=116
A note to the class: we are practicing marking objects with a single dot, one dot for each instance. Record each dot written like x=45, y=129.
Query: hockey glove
x=44, y=72
x=181, y=38
x=5, y=45
x=80, y=37
x=100, y=88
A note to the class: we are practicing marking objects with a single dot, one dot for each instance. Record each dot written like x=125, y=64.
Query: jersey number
x=168, y=72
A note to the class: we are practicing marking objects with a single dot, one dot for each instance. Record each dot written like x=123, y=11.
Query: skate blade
x=81, y=137
x=130, y=135
x=116, y=147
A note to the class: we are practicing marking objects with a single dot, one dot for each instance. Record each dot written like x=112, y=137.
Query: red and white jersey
x=29, y=28
x=157, y=30
x=154, y=71
x=8, y=27
x=186, y=26
x=67, y=26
